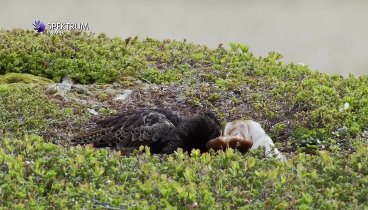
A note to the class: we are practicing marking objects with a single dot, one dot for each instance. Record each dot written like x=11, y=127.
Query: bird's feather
x=128, y=129
x=160, y=129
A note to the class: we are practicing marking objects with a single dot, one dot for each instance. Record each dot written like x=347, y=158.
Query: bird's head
x=197, y=131
x=212, y=117
x=211, y=124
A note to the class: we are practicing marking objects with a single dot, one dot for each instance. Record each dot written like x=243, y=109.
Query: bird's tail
x=97, y=138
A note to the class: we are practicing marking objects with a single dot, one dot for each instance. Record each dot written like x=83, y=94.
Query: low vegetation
x=319, y=121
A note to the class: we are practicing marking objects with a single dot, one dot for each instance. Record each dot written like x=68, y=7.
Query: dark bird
x=160, y=129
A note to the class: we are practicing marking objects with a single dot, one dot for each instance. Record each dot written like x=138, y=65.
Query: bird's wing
x=130, y=129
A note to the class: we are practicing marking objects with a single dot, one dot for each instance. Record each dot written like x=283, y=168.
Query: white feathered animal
x=251, y=130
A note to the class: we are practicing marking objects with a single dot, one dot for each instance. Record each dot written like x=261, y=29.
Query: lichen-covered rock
x=124, y=96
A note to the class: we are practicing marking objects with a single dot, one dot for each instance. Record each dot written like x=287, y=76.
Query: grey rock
x=63, y=87
x=66, y=84
x=61, y=97
x=81, y=89
x=51, y=89
x=92, y=111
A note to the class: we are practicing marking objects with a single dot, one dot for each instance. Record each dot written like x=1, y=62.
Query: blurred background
x=328, y=35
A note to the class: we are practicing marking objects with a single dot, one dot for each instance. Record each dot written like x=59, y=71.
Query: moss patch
x=11, y=78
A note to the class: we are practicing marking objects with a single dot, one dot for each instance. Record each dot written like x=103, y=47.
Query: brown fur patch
x=216, y=144
x=240, y=144
x=234, y=142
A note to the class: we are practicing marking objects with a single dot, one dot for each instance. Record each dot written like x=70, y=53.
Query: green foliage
x=25, y=109
x=11, y=78
x=320, y=119
x=81, y=56
x=38, y=175
x=20, y=110
x=309, y=104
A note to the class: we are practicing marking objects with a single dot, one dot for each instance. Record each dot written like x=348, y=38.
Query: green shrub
x=272, y=91
x=21, y=112
x=39, y=175
x=320, y=119
x=25, y=109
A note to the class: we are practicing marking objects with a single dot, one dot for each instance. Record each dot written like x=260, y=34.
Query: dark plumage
x=160, y=129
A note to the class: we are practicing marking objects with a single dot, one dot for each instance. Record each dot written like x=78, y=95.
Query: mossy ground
x=304, y=112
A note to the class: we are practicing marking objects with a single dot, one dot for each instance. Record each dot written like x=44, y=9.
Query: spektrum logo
x=39, y=26
x=59, y=27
